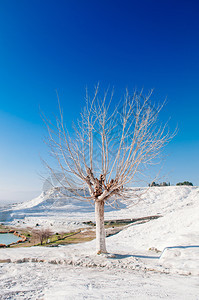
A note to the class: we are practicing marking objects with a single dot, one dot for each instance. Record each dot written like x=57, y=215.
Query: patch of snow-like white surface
x=169, y=244
x=37, y=281
x=141, y=202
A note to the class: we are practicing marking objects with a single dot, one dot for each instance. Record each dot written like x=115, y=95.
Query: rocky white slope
x=175, y=235
x=52, y=208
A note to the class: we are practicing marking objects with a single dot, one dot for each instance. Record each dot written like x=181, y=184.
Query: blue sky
x=70, y=45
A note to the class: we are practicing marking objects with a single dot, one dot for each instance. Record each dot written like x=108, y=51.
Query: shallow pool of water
x=8, y=238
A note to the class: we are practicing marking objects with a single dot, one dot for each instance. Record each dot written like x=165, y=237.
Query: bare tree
x=108, y=149
x=42, y=234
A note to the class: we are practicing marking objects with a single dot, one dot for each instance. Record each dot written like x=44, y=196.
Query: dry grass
x=80, y=236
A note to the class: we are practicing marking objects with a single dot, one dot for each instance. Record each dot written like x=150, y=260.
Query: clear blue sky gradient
x=71, y=45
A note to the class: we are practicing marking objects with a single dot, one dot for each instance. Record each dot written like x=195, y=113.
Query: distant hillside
x=51, y=206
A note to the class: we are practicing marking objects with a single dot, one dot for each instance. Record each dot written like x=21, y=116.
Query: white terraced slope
x=133, y=267
x=178, y=206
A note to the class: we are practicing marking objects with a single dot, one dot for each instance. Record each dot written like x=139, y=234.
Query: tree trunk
x=100, y=230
